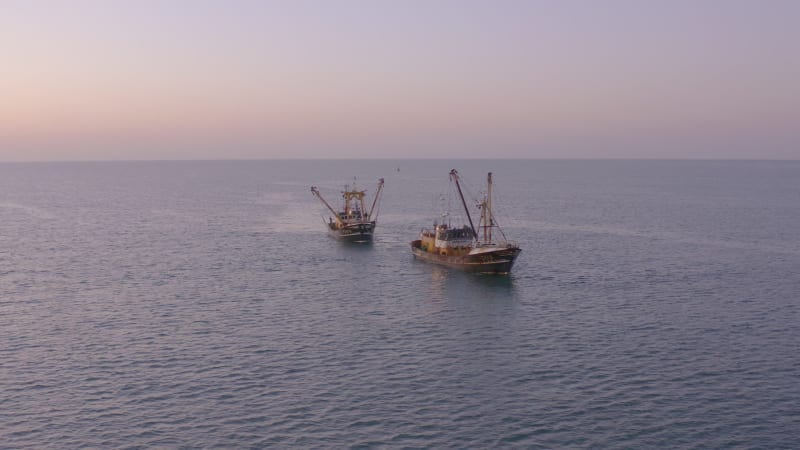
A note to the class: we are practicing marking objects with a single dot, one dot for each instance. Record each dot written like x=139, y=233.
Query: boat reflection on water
x=448, y=285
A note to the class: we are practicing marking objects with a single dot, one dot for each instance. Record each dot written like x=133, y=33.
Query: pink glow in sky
x=346, y=79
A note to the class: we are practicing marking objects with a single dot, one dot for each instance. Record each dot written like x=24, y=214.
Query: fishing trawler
x=354, y=223
x=468, y=248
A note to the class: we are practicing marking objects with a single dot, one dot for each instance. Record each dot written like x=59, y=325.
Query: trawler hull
x=358, y=233
x=496, y=262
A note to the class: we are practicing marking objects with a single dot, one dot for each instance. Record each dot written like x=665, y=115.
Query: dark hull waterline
x=353, y=233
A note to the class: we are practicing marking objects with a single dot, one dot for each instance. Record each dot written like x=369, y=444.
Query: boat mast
x=315, y=191
x=454, y=177
x=489, y=217
x=482, y=223
x=348, y=207
x=377, y=195
x=363, y=211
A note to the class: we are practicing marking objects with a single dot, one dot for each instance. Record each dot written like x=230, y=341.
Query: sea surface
x=656, y=304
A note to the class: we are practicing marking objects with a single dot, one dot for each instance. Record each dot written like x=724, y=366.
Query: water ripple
x=200, y=308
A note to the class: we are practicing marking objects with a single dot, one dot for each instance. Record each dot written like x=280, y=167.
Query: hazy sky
x=391, y=79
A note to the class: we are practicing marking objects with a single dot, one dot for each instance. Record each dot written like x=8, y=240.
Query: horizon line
x=388, y=159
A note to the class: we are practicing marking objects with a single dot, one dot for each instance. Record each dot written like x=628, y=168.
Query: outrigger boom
x=315, y=191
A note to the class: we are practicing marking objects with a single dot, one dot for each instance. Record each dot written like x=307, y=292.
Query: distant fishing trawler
x=354, y=223
x=464, y=248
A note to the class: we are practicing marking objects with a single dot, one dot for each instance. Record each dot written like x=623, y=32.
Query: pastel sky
x=156, y=79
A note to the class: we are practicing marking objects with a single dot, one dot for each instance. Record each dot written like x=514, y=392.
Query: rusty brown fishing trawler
x=484, y=249
x=353, y=223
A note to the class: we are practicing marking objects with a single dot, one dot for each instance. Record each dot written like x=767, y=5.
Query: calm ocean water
x=201, y=304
